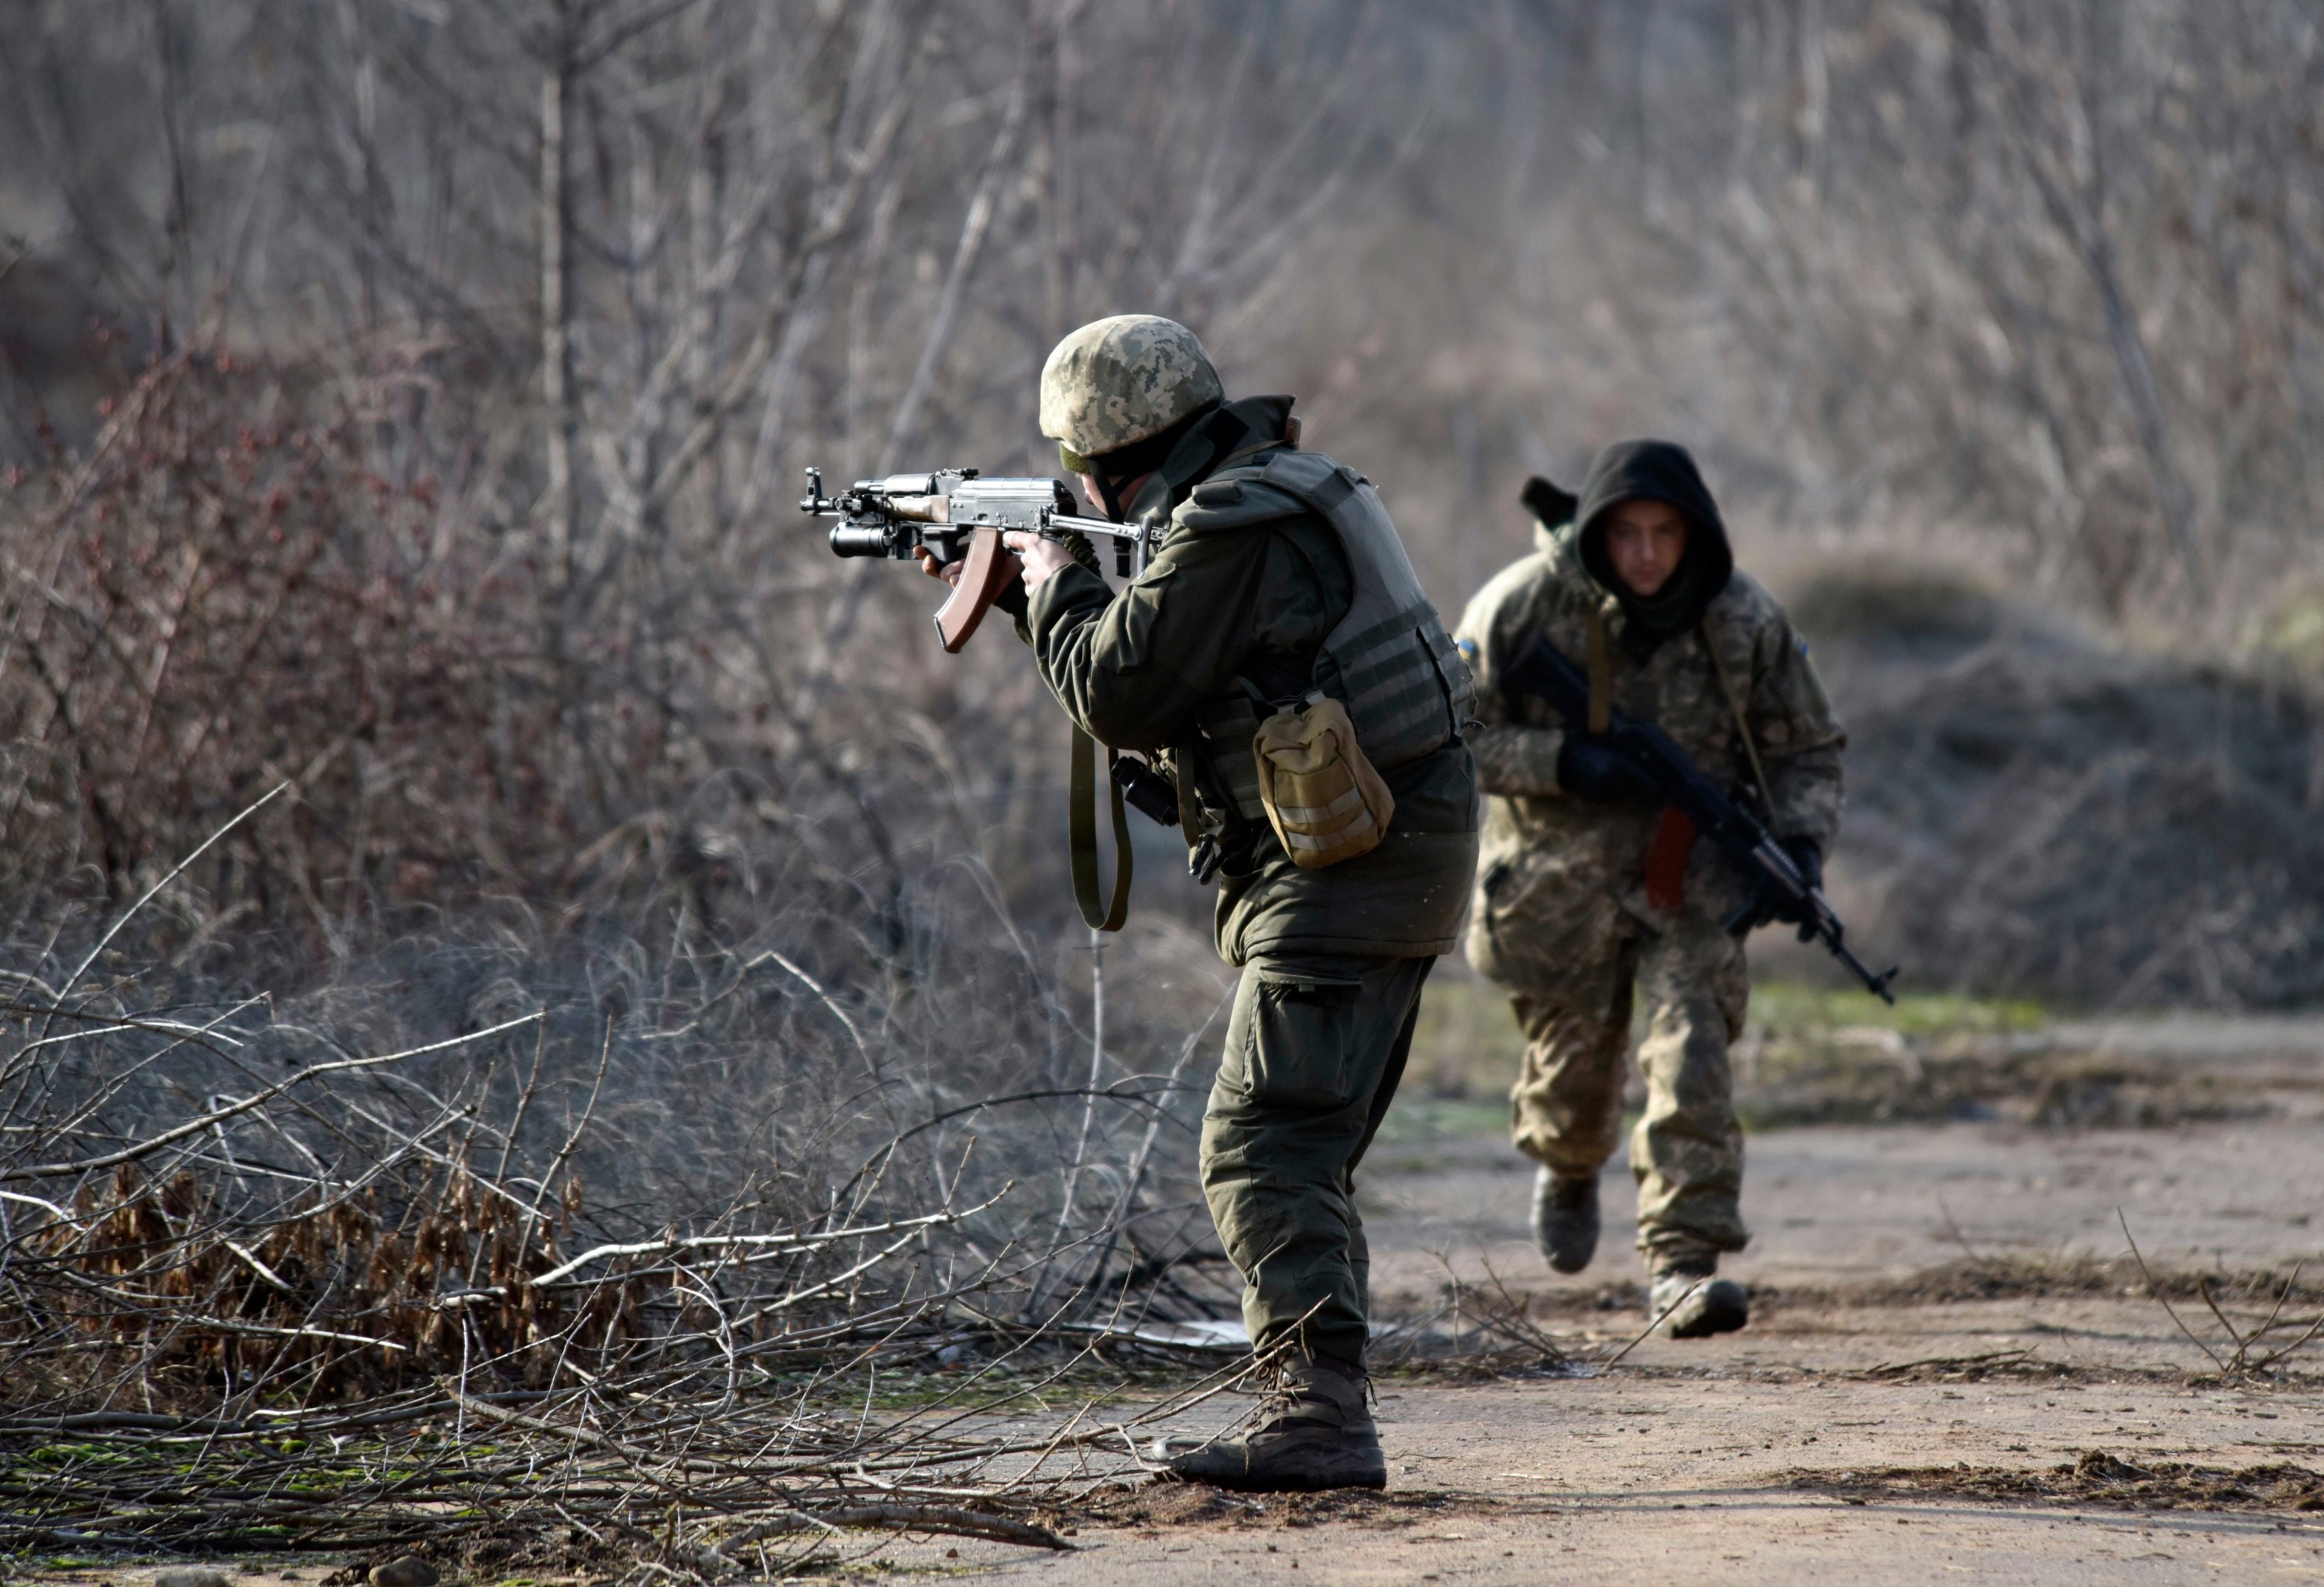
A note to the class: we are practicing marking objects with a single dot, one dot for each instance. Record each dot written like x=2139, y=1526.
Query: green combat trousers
x=1566, y=1109
x=1315, y=1047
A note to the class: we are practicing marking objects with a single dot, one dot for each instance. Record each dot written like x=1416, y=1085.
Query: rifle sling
x=1080, y=837
x=1190, y=819
x=1601, y=675
x=1742, y=726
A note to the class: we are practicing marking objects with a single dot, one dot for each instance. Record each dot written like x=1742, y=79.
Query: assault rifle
x=1770, y=871
x=959, y=515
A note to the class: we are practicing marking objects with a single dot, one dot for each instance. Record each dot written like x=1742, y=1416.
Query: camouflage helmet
x=1117, y=382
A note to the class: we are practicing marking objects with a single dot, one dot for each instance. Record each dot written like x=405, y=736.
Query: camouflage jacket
x=1547, y=854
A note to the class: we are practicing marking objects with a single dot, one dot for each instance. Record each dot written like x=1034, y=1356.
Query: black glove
x=1808, y=860
x=1591, y=768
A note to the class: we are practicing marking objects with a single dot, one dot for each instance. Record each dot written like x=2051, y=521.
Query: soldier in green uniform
x=1279, y=574
x=1590, y=896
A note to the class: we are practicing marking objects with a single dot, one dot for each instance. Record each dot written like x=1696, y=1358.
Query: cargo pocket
x=1299, y=1045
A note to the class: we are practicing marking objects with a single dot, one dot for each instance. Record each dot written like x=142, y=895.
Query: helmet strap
x=1107, y=494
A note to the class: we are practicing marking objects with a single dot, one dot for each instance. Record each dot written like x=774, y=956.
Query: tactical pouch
x=1323, y=797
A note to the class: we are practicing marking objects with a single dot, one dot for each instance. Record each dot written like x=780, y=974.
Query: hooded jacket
x=1547, y=854
x=1655, y=471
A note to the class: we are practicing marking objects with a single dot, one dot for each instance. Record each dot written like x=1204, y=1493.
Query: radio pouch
x=1325, y=801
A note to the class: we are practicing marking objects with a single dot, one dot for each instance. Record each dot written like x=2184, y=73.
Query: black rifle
x=1771, y=872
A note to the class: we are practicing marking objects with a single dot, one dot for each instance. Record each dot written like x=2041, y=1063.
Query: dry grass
x=685, y=1258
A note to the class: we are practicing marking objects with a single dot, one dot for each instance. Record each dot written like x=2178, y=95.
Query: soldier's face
x=1644, y=541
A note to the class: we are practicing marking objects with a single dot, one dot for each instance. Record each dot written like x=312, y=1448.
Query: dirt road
x=2054, y=1430
x=1954, y=1372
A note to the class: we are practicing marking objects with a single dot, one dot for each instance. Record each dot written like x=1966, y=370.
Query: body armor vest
x=1388, y=660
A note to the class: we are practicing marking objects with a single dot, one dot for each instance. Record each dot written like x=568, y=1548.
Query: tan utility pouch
x=1326, y=802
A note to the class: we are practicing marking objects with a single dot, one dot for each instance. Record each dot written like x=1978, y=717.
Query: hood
x=1656, y=471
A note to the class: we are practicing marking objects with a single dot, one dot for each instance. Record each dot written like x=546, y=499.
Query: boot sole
x=1568, y=1261
x=1574, y=1253
x=1188, y=1465
x=1254, y=1483
x=1718, y=1315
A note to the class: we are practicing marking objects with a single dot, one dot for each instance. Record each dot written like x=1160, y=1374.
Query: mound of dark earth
x=2096, y=1478
x=2034, y=811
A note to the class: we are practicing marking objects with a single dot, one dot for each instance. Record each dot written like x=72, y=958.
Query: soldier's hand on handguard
x=1591, y=768
x=947, y=571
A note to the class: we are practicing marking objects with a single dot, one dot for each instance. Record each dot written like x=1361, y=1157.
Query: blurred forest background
x=406, y=400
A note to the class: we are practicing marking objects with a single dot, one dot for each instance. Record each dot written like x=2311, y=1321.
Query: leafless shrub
x=2258, y=1346
x=662, y=1255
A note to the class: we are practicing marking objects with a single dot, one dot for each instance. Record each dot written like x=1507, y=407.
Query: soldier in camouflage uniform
x=1590, y=896
x=1279, y=574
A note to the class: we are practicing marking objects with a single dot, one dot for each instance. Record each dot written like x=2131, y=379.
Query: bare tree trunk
x=2145, y=397
x=902, y=429
x=2076, y=206
x=2084, y=226
x=705, y=195
x=1056, y=161
x=561, y=504
x=176, y=223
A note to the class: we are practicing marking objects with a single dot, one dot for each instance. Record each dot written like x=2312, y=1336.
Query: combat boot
x=1565, y=1219
x=1314, y=1430
x=1697, y=1303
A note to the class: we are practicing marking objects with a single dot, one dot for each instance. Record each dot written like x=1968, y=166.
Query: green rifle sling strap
x=1602, y=673
x=1081, y=836
x=1191, y=824
x=1742, y=722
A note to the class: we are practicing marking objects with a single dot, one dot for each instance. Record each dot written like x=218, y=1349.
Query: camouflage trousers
x=1566, y=1108
x=1315, y=1047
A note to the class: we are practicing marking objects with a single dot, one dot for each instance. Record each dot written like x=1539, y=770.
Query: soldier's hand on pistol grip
x=1010, y=602
x=1591, y=768
x=1044, y=557
x=1011, y=598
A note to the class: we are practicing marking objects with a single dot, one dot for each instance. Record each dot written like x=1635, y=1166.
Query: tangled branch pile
x=701, y=1283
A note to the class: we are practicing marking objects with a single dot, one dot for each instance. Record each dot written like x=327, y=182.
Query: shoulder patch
x=1218, y=493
